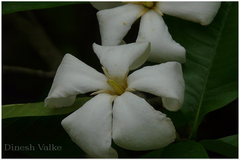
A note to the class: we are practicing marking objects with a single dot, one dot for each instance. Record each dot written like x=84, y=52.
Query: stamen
x=113, y=98
x=102, y=91
x=130, y=90
x=148, y=4
x=119, y=89
x=138, y=3
x=142, y=12
x=157, y=10
x=106, y=73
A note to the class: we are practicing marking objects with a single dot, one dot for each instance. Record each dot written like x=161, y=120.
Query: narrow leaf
x=227, y=146
x=232, y=140
x=38, y=109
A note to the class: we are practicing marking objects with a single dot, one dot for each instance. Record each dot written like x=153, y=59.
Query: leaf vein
x=195, y=125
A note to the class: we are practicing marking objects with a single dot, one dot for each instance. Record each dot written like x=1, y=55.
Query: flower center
x=149, y=4
x=118, y=89
x=115, y=86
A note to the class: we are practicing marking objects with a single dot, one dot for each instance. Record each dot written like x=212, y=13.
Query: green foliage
x=227, y=146
x=38, y=131
x=154, y=154
x=189, y=149
x=210, y=72
x=38, y=109
x=232, y=140
x=10, y=7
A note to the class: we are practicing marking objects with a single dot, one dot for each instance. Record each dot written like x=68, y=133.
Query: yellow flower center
x=118, y=89
x=148, y=5
x=115, y=86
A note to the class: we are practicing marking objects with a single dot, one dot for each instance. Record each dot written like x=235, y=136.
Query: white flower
x=115, y=113
x=114, y=24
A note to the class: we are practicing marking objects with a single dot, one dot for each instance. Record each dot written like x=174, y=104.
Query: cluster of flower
x=116, y=113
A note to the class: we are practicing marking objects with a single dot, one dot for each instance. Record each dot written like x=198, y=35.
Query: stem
x=39, y=73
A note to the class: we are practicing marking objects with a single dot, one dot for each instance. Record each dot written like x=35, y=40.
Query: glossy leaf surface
x=38, y=109
x=189, y=149
x=210, y=72
x=227, y=146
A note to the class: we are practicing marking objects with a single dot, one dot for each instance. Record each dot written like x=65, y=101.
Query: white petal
x=164, y=80
x=138, y=126
x=105, y=5
x=163, y=47
x=116, y=22
x=119, y=59
x=200, y=12
x=73, y=77
x=90, y=127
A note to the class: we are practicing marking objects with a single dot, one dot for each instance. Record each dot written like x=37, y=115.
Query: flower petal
x=119, y=59
x=90, y=127
x=105, y=5
x=116, y=22
x=163, y=80
x=138, y=126
x=73, y=77
x=163, y=47
x=200, y=12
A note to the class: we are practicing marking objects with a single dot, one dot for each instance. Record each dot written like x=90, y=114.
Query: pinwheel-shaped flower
x=114, y=24
x=115, y=113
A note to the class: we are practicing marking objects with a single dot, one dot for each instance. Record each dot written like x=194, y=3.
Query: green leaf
x=35, y=132
x=153, y=154
x=189, y=149
x=10, y=7
x=227, y=146
x=211, y=69
x=233, y=140
x=38, y=109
